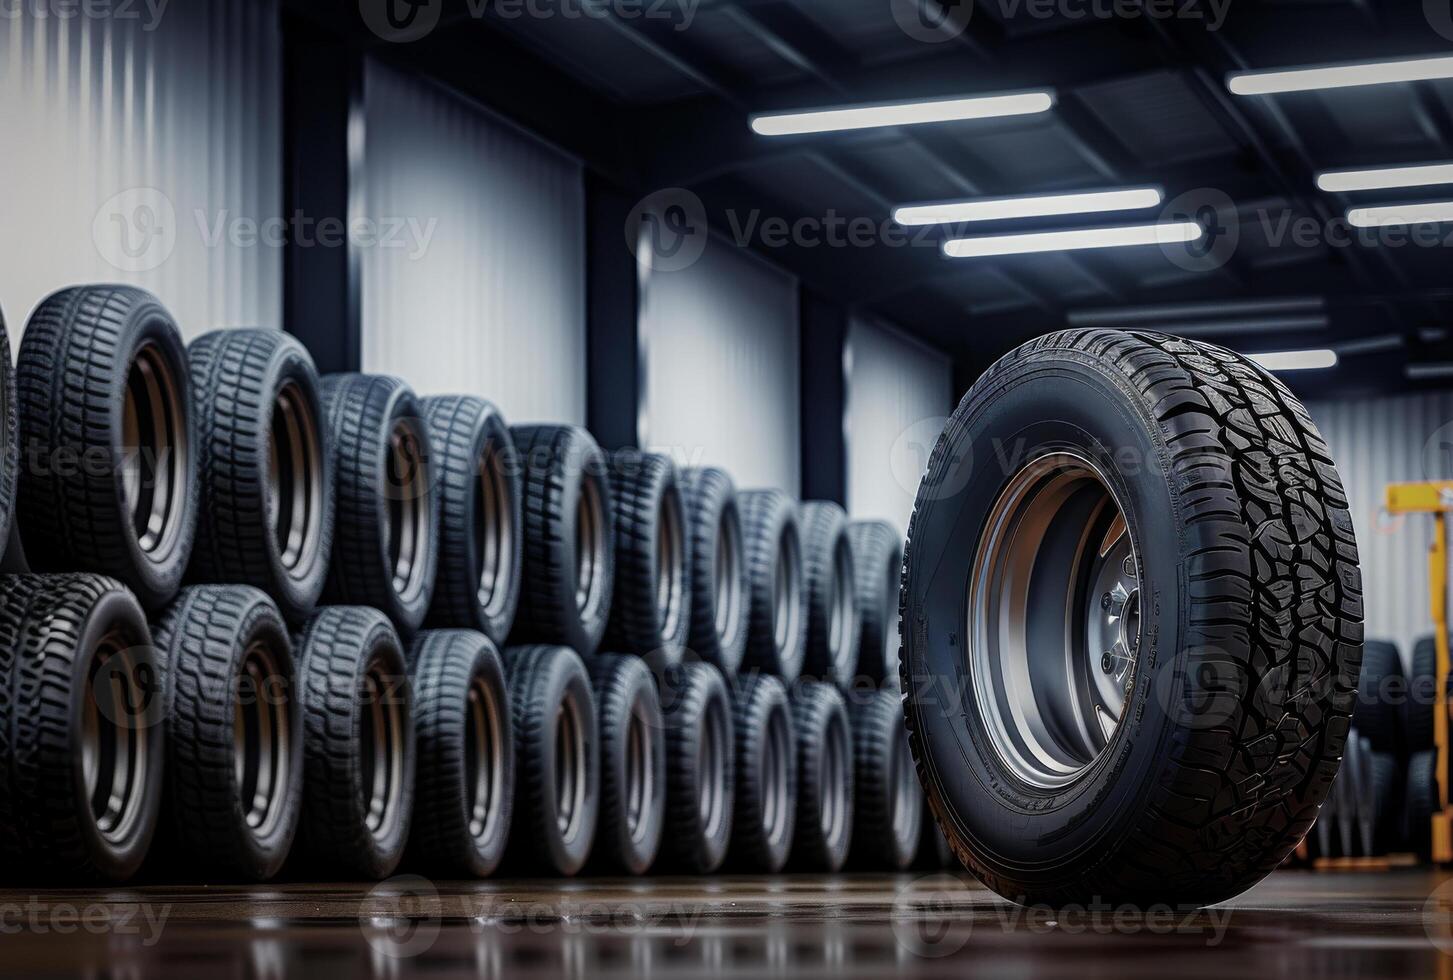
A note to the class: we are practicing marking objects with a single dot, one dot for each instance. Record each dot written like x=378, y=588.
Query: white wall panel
x=722, y=381
x=899, y=393
x=128, y=140
x=1376, y=442
x=480, y=286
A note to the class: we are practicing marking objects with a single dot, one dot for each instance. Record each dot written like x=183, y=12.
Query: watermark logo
x=401, y=21
x=932, y=21
x=927, y=921
x=1440, y=16
x=148, y=13
x=1438, y=917
x=912, y=451
x=400, y=917
x=136, y=230
x=1437, y=454
x=1216, y=213
x=667, y=231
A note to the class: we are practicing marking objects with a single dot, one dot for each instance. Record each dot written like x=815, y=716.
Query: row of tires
x=331, y=566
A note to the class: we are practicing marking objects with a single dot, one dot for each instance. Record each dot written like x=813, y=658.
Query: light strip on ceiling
x=901, y=113
x=1038, y=206
x=1296, y=360
x=1339, y=76
x=1393, y=215
x=1345, y=181
x=1081, y=238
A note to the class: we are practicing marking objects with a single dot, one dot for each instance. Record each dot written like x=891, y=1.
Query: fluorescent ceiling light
x=1296, y=360
x=1081, y=238
x=1000, y=208
x=901, y=113
x=1340, y=181
x=1401, y=214
x=1339, y=76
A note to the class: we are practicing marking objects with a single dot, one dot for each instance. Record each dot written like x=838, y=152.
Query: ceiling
x=657, y=94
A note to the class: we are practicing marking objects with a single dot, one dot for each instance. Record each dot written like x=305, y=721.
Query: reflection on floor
x=1295, y=924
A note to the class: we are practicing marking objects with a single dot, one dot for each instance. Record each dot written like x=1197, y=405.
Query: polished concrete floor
x=1296, y=924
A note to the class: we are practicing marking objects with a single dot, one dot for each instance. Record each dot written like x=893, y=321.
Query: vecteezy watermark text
x=148, y=13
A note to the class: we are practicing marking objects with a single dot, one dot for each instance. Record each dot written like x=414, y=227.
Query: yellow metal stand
x=1435, y=499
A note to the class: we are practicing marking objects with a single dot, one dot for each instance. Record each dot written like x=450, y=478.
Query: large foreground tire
x=465, y=784
x=386, y=533
x=234, y=732
x=699, y=769
x=82, y=729
x=109, y=481
x=1148, y=614
x=478, y=581
x=265, y=467
x=569, y=573
x=878, y=563
x=358, y=743
x=887, y=800
x=650, y=611
x=777, y=631
x=632, y=765
x=824, y=738
x=719, y=584
x=766, y=794
x=832, y=606
x=557, y=760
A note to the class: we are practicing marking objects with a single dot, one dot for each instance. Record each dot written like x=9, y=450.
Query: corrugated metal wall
x=722, y=377
x=138, y=150
x=477, y=281
x=900, y=392
x=1376, y=442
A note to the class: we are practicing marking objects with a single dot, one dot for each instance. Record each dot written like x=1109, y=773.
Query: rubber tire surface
x=642, y=485
x=820, y=719
x=1247, y=546
x=540, y=680
x=50, y=626
x=934, y=853
x=237, y=376
x=693, y=694
x=769, y=518
x=71, y=386
x=884, y=839
x=1380, y=688
x=362, y=412
x=1422, y=800
x=462, y=430
x=335, y=651
x=444, y=666
x=203, y=637
x=557, y=461
x=824, y=527
x=711, y=509
x=878, y=564
x=9, y=450
x=624, y=686
x=1419, y=709
x=758, y=699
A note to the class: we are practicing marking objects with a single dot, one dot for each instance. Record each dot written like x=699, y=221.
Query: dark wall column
x=615, y=357
x=323, y=126
x=824, y=393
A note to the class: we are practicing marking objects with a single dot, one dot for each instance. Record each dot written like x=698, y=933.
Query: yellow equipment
x=1435, y=499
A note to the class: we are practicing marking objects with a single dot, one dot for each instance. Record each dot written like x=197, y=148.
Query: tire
x=9, y=450
x=700, y=782
x=1381, y=688
x=720, y=587
x=1420, y=706
x=777, y=618
x=554, y=718
x=81, y=678
x=832, y=607
x=386, y=533
x=1387, y=778
x=1239, y=536
x=234, y=738
x=824, y=778
x=356, y=694
x=1422, y=801
x=480, y=552
x=933, y=850
x=265, y=468
x=887, y=800
x=878, y=563
x=632, y=765
x=766, y=768
x=651, y=607
x=569, y=571
x=92, y=357
x=464, y=786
